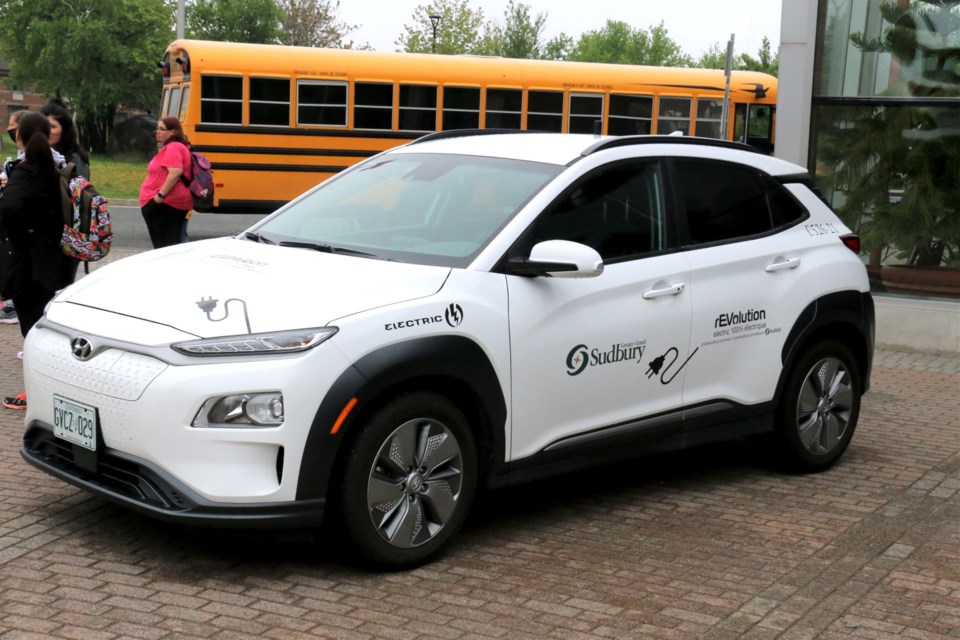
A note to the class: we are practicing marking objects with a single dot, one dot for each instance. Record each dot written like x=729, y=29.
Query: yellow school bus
x=276, y=120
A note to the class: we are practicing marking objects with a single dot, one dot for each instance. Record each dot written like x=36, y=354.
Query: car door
x=751, y=275
x=596, y=353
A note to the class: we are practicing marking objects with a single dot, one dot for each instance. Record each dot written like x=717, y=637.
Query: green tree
x=713, y=58
x=618, y=42
x=313, y=23
x=765, y=60
x=521, y=35
x=460, y=29
x=716, y=58
x=93, y=54
x=558, y=47
x=257, y=21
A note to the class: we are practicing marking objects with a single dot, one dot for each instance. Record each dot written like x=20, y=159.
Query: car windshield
x=438, y=209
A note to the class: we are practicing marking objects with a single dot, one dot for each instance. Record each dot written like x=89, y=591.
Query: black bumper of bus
x=141, y=486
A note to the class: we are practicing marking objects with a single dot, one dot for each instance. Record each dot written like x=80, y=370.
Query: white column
x=798, y=35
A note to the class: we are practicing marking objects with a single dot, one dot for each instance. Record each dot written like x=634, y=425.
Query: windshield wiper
x=256, y=237
x=325, y=248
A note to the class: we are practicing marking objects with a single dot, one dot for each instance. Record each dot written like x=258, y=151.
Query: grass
x=118, y=177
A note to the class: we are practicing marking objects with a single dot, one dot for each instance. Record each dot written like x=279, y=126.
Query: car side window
x=617, y=210
x=722, y=201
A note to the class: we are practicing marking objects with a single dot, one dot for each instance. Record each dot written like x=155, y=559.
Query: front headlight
x=242, y=410
x=256, y=343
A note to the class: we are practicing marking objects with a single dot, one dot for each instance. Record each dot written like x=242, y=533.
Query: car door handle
x=672, y=290
x=780, y=264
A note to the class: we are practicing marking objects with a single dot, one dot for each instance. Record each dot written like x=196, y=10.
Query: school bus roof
x=358, y=65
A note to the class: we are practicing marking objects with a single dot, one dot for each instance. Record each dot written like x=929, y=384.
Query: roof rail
x=622, y=141
x=462, y=133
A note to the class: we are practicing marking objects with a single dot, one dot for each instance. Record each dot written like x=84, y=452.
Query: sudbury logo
x=581, y=356
x=454, y=315
x=739, y=317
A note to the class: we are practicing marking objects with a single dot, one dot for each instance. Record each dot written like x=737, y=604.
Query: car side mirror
x=559, y=259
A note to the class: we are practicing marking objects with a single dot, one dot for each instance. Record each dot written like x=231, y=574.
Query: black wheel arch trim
x=851, y=310
x=405, y=365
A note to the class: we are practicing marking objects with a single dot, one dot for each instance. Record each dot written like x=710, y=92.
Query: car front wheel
x=819, y=407
x=408, y=481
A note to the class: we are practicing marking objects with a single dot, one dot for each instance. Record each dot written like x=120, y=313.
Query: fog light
x=242, y=410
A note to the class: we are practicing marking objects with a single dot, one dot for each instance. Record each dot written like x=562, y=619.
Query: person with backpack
x=65, y=142
x=64, y=138
x=31, y=221
x=165, y=199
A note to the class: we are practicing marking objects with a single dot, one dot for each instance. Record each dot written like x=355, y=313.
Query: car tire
x=408, y=481
x=819, y=407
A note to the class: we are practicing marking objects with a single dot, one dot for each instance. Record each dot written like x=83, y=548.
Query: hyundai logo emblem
x=81, y=348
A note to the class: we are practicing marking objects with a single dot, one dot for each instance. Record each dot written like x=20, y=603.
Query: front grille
x=115, y=474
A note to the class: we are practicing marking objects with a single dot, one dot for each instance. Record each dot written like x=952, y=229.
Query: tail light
x=852, y=242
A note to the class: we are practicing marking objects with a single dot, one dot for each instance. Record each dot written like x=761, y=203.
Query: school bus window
x=503, y=108
x=418, y=108
x=585, y=110
x=270, y=101
x=184, y=99
x=322, y=103
x=674, y=115
x=373, y=106
x=545, y=111
x=165, y=102
x=630, y=115
x=174, y=101
x=461, y=108
x=221, y=99
x=709, y=118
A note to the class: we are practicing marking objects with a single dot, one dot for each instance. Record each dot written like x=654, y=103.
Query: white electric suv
x=467, y=311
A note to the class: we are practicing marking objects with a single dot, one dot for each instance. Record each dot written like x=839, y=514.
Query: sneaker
x=8, y=315
x=16, y=402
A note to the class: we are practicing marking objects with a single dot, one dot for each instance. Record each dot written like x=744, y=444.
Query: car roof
x=566, y=148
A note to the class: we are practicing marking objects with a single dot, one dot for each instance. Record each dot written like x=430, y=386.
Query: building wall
x=866, y=84
x=13, y=100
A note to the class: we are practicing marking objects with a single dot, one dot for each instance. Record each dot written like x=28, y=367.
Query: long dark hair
x=34, y=131
x=173, y=124
x=69, y=143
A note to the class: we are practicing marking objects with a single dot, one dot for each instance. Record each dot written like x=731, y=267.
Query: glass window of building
x=886, y=133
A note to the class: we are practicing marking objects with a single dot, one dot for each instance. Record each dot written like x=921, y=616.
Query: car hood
x=216, y=287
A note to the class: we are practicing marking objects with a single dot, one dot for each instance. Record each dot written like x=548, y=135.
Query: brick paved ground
x=706, y=544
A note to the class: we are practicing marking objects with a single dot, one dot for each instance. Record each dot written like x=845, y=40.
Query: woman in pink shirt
x=164, y=198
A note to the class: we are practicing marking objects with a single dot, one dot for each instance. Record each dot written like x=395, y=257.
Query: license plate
x=75, y=422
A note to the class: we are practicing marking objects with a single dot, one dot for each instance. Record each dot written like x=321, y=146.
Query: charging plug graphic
x=209, y=303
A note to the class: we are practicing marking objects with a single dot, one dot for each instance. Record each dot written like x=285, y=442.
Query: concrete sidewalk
x=711, y=543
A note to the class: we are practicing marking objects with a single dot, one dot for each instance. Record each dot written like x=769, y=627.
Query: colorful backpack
x=87, y=232
x=200, y=182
